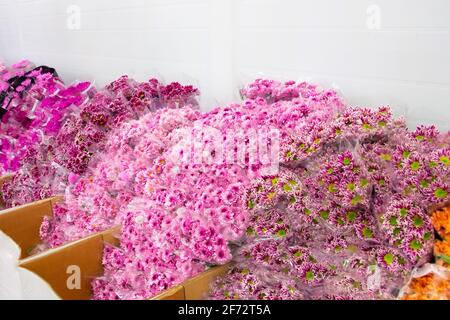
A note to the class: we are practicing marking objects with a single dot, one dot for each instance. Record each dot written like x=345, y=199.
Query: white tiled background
x=220, y=44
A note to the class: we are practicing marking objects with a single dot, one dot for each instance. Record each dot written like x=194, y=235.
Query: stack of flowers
x=351, y=221
x=94, y=201
x=84, y=133
x=323, y=200
x=137, y=144
x=310, y=198
x=193, y=202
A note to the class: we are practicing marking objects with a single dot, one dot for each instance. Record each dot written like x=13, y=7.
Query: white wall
x=220, y=44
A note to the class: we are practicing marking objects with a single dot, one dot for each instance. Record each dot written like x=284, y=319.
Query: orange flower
x=442, y=248
x=429, y=287
x=441, y=222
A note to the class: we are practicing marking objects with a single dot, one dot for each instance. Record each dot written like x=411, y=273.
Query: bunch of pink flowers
x=84, y=133
x=340, y=212
x=34, y=103
x=95, y=201
x=201, y=197
x=36, y=175
x=351, y=221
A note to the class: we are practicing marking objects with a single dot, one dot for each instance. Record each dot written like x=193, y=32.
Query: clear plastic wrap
x=37, y=176
x=191, y=190
x=431, y=282
x=360, y=215
x=26, y=119
x=135, y=120
x=82, y=133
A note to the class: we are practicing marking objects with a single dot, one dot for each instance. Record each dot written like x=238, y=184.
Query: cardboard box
x=22, y=223
x=69, y=269
x=58, y=267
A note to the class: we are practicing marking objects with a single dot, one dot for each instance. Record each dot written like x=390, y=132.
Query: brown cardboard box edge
x=198, y=287
x=175, y=293
x=195, y=288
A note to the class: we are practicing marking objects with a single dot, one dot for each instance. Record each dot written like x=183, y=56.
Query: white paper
x=17, y=283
